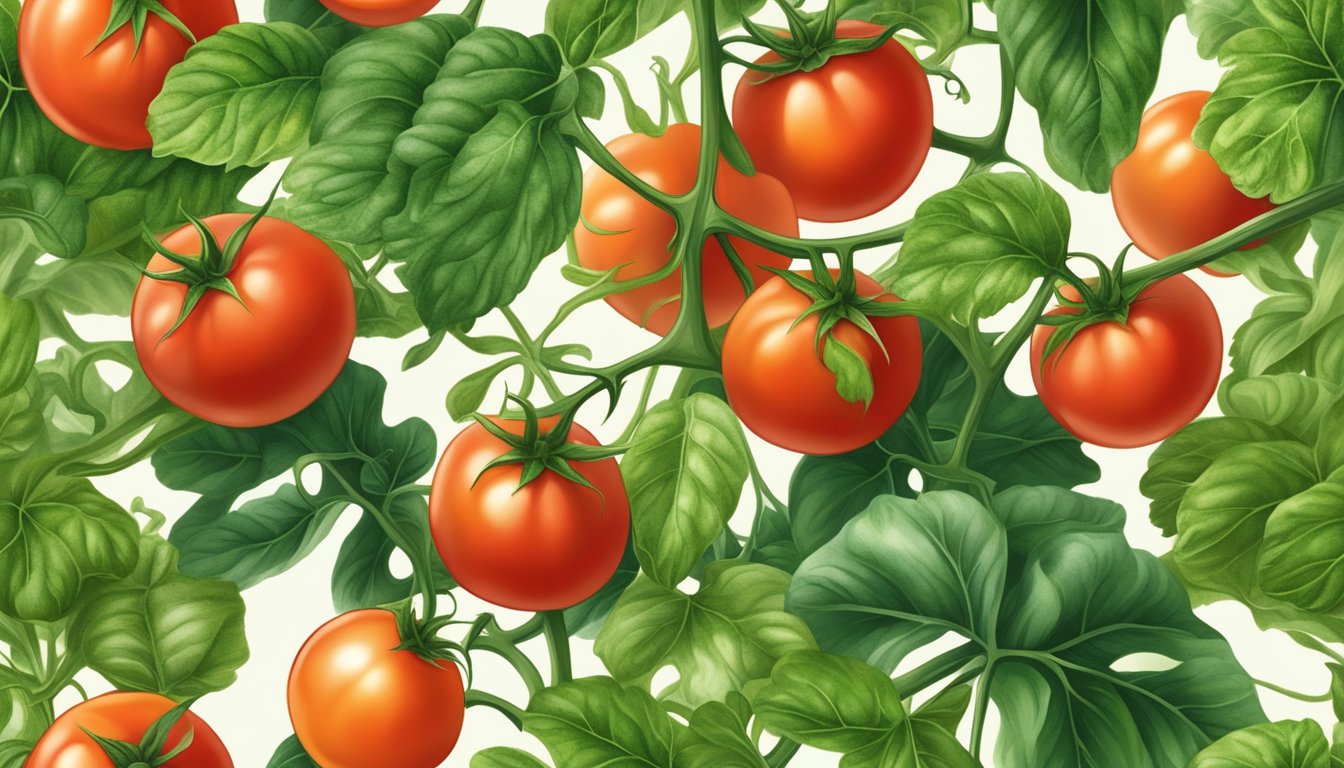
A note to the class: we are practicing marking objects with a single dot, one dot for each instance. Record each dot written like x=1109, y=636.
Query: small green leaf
x=725, y=636
x=466, y=396
x=685, y=470
x=243, y=97
x=596, y=721
x=55, y=219
x=718, y=737
x=18, y=343
x=853, y=378
x=974, y=249
x=1285, y=744
x=595, y=29
x=290, y=754
x=505, y=757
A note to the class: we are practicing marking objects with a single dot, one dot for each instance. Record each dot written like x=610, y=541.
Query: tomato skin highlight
x=780, y=388
x=642, y=233
x=357, y=703
x=248, y=366
x=1169, y=194
x=546, y=546
x=380, y=13
x=100, y=94
x=847, y=139
x=1132, y=384
x=124, y=716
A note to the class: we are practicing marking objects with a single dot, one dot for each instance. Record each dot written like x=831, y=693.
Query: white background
x=251, y=715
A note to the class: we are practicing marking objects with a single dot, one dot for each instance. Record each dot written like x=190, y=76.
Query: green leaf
x=465, y=397
x=18, y=343
x=505, y=757
x=685, y=470
x=1275, y=123
x=331, y=29
x=596, y=721
x=1302, y=560
x=595, y=29
x=1017, y=444
x=290, y=754
x=1289, y=401
x=61, y=536
x=974, y=249
x=55, y=219
x=243, y=97
x=718, y=737
x=1285, y=744
x=840, y=704
x=1089, y=68
x=942, y=23
x=158, y=630
x=347, y=183
x=1182, y=458
x=853, y=379
x=362, y=575
x=1047, y=588
x=725, y=636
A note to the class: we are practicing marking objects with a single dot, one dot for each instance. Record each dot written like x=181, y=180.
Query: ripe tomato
x=355, y=702
x=124, y=717
x=1170, y=195
x=641, y=233
x=380, y=13
x=781, y=389
x=848, y=138
x=260, y=361
x=1124, y=385
x=548, y=545
x=100, y=93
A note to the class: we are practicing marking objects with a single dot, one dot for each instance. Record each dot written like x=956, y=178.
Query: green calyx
x=136, y=13
x=209, y=271
x=149, y=753
x=809, y=42
x=836, y=299
x=538, y=452
x=1105, y=299
x=422, y=637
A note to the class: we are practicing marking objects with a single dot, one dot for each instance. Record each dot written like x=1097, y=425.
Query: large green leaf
x=242, y=97
x=1285, y=744
x=1089, y=68
x=840, y=704
x=1017, y=444
x=1275, y=124
x=160, y=631
x=731, y=632
x=1048, y=591
x=61, y=536
x=597, y=721
x=974, y=249
x=685, y=470
x=1302, y=561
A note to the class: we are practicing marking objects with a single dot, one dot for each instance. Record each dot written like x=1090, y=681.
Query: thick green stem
x=937, y=668
x=477, y=698
x=782, y=753
x=502, y=646
x=557, y=640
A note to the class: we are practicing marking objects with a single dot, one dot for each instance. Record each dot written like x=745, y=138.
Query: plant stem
x=782, y=753
x=503, y=647
x=476, y=698
x=557, y=639
x=981, y=710
x=1307, y=697
x=938, y=668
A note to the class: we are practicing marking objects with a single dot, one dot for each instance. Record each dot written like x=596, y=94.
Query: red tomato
x=641, y=233
x=1170, y=195
x=100, y=93
x=124, y=717
x=1124, y=385
x=247, y=366
x=380, y=13
x=781, y=389
x=848, y=138
x=548, y=545
x=355, y=702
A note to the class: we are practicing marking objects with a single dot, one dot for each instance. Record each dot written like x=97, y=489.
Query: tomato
x=640, y=233
x=124, y=717
x=259, y=361
x=1125, y=385
x=100, y=93
x=781, y=389
x=548, y=545
x=1170, y=195
x=355, y=702
x=380, y=13
x=848, y=138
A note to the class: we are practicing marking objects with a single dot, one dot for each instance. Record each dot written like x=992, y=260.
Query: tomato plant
x=93, y=66
x=127, y=718
x=532, y=535
x=847, y=137
x=621, y=230
x=1131, y=381
x=253, y=337
x=357, y=700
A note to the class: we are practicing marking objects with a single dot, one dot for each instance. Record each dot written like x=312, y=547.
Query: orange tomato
x=125, y=717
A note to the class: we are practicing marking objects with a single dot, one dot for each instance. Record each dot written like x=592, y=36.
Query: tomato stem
x=477, y=698
x=557, y=639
